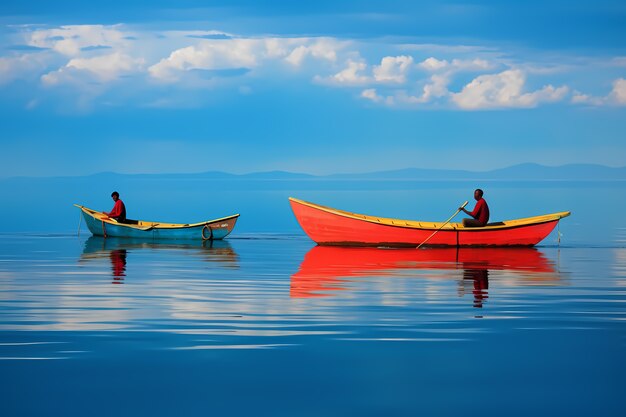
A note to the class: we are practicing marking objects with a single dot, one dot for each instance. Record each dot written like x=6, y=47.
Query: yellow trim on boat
x=143, y=225
x=435, y=225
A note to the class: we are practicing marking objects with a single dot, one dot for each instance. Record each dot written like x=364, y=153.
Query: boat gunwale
x=154, y=225
x=406, y=245
x=450, y=227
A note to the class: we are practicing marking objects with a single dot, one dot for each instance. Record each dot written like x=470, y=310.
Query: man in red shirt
x=481, y=211
x=119, y=210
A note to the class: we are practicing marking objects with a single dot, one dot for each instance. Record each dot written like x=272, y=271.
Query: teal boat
x=100, y=224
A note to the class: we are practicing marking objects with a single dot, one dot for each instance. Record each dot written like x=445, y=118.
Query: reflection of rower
x=326, y=269
x=480, y=280
x=118, y=265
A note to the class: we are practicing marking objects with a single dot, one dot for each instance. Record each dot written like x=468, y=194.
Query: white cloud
x=351, y=75
x=97, y=52
x=103, y=68
x=208, y=55
x=296, y=57
x=20, y=67
x=82, y=54
x=618, y=94
x=324, y=48
x=399, y=98
x=433, y=64
x=436, y=88
x=581, y=98
x=236, y=53
x=241, y=53
x=471, y=64
x=371, y=94
x=504, y=90
x=277, y=48
x=437, y=85
x=393, y=69
x=70, y=40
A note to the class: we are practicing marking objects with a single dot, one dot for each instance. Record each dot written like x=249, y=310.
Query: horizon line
x=278, y=171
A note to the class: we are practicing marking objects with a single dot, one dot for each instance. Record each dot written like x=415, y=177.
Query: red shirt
x=119, y=210
x=481, y=211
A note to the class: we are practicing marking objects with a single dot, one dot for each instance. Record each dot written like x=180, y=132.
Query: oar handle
x=446, y=222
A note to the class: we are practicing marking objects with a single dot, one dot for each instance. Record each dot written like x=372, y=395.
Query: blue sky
x=326, y=87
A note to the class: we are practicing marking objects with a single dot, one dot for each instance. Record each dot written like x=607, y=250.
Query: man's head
x=478, y=194
x=115, y=195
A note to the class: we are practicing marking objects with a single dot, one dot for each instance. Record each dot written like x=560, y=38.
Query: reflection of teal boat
x=101, y=225
x=97, y=247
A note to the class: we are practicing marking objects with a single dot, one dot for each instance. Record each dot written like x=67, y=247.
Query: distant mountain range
x=517, y=172
x=572, y=172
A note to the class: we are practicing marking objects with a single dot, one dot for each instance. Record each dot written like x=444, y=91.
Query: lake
x=267, y=323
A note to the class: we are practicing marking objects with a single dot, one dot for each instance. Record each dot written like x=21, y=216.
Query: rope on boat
x=80, y=218
x=558, y=233
x=206, y=226
x=104, y=230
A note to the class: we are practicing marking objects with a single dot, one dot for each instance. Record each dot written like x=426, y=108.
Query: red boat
x=329, y=226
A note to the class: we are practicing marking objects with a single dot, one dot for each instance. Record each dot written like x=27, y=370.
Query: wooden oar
x=80, y=218
x=446, y=222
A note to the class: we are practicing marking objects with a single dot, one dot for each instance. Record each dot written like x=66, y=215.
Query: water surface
x=266, y=323
x=274, y=323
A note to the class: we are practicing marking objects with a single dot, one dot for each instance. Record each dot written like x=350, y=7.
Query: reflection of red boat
x=324, y=267
x=328, y=226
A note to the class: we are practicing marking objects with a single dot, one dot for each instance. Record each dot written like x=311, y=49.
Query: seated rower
x=480, y=213
x=119, y=210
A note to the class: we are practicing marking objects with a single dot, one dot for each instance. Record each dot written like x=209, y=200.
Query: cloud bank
x=423, y=76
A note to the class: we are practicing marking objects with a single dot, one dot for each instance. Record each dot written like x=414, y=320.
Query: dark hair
x=480, y=191
x=115, y=193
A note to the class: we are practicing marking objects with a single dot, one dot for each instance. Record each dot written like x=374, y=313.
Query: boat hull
x=327, y=226
x=209, y=230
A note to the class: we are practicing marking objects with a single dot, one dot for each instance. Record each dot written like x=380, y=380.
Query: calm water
x=269, y=324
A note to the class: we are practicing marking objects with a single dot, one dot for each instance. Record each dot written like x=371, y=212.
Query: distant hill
x=565, y=172
x=521, y=172
x=517, y=172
